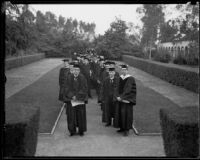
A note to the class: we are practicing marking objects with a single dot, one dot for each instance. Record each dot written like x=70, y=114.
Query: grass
x=43, y=93
x=146, y=112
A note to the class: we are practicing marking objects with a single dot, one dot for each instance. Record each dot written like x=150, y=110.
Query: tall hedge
x=177, y=76
x=22, y=60
x=21, y=129
x=180, y=131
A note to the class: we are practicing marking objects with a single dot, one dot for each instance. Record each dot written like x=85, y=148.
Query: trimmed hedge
x=21, y=129
x=180, y=77
x=20, y=61
x=180, y=131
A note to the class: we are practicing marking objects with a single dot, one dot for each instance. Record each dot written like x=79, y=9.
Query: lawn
x=146, y=111
x=42, y=93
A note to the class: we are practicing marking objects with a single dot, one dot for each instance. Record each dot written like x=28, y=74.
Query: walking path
x=98, y=140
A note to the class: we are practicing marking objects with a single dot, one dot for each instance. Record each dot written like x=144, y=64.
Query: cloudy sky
x=101, y=14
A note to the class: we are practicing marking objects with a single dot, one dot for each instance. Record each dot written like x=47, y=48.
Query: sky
x=100, y=14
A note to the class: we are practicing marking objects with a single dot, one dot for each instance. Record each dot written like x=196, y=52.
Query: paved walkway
x=99, y=140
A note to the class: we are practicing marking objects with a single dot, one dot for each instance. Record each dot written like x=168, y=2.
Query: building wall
x=174, y=48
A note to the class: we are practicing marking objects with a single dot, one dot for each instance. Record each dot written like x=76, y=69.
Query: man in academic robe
x=62, y=77
x=104, y=74
x=98, y=77
x=86, y=71
x=108, y=100
x=125, y=94
x=76, y=95
x=69, y=76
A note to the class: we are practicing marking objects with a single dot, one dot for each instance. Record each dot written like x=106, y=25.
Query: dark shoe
x=120, y=130
x=81, y=134
x=71, y=134
x=108, y=124
x=125, y=133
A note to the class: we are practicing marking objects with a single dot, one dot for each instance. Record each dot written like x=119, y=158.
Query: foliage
x=115, y=42
x=44, y=32
x=188, y=22
x=180, y=126
x=193, y=57
x=168, y=31
x=161, y=56
x=21, y=129
x=152, y=18
x=180, y=59
x=180, y=77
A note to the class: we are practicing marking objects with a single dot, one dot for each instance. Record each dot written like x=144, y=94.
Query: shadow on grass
x=146, y=111
x=43, y=93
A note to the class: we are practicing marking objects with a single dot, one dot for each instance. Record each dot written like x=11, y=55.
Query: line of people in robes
x=115, y=89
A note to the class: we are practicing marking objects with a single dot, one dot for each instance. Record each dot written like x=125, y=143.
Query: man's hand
x=98, y=81
x=119, y=98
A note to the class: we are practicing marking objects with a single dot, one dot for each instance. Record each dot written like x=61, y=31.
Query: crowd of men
x=114, y=86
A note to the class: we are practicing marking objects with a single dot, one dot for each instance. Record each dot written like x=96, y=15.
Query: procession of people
x=114, y=86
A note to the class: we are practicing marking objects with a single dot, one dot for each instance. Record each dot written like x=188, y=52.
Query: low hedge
x=21, y=129
x=22, y=60
x=180, y=77
x=180, y=131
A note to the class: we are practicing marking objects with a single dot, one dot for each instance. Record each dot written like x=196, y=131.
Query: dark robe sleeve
x=116, y=88
x=68, y=94
x=102, y=88
x=129, y=92
x=82, y=94
x=60, y=76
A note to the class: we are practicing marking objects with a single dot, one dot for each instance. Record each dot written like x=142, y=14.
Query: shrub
x=22, y=60
x=180, y=131
x=180, y=77
x=21, y=129
x=162, y=56
x=192, y=58
x=179, y=59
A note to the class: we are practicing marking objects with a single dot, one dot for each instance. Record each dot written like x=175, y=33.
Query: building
x=175, y=48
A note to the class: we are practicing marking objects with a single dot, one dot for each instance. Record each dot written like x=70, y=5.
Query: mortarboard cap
x=111, y=69
x=65, y=60
x=124, y=66
x=76, y=66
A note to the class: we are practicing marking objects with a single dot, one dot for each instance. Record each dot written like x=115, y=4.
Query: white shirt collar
x=126, y=76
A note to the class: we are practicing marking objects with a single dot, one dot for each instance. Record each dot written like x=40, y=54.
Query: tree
x=168, y=31
x=152, y=18
x=114, y=42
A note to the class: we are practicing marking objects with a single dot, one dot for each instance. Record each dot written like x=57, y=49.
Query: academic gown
x=126, y=89
x=62, y=77
x=95, y=74
x=108, y=98
x=85, y=68
x=76, y=116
